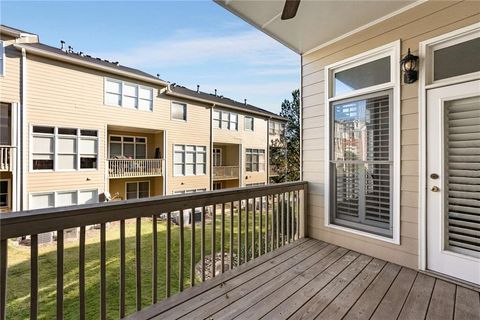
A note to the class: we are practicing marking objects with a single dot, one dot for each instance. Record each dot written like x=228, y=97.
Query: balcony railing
x=6, y=158
x=225, y=172
x=249, y=222
x=131, y=168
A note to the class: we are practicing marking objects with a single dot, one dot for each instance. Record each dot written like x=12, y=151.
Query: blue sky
x=188, y=42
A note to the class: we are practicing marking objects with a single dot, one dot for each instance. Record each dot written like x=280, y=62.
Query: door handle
x=435, y=189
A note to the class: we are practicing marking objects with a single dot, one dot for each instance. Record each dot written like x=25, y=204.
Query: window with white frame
x=217, y=157
x=249, y=124
x=179, y=111
x=189, y=191
x=62, y=198
x=362, y=136
x=128, y=95
x=2, y=59
x=137, y=190
x=4, y=193
x=55, y=148
x=255, y=160
x=129, y=147
x=190, y=160
x=277, y=128
x=225, y=120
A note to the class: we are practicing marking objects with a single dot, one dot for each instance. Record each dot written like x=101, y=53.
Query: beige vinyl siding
x=425, y=21
x=65, y=95
x=10, y=81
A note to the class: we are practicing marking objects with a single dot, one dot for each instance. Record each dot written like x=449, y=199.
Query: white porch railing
x=225, y=172
x=131, y=168
x=6, y=158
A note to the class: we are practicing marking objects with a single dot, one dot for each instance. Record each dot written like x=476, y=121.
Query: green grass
x=18, y=284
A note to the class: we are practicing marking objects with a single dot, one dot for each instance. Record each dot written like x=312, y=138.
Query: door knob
x=435, y=189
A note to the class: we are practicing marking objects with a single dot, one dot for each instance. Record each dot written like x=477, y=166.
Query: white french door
x=453, y=180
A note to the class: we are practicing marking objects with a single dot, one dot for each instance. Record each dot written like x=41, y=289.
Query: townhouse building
x=77, y=129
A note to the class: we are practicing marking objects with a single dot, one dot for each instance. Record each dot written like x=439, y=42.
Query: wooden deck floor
x=312, y=279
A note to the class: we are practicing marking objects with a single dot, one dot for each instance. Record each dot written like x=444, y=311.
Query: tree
x=285, y=151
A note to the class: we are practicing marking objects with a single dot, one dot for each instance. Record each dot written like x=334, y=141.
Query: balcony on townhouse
x=6, y=158
x=226, y=169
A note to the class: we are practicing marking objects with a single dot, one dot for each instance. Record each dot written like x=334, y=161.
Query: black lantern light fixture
x=409, y=65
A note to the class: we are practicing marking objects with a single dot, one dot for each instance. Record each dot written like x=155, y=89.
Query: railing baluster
x=33, y=276
x=60, y=274
x=260, y=232
x=213, y=245
x=202, y=246
x=81, y=273
x=122, y=269
x=3, y=278
x=247, y=210
x=192, y=249
x=231, y=235
x=287, y=203
x=181, y=252
x=277, y=221
x=168, y=257
x=297, y=221
x=282, y=219
x=267, y=199
x=222, y=239
x=239, y=236
x=154, y=258
x=254, y=226
x=103, y=272
x=138, y=262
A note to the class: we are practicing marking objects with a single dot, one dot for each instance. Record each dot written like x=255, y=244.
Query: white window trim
x=425, y=83
x=245, y=123
x=393, y=50
x=221, y=112
x=138, y=189
x=171, y=111
x=122, y=143
x=122, y=84
x=2, y=74
x=185, y=160
x=9, y=193
x=55, y=194
x=55, y=135
x=258, y=153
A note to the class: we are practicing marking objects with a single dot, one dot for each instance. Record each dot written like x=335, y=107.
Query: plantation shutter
x=462, y=140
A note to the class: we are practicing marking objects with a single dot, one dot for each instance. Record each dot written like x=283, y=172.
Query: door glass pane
x=363, y=76
x=462, y=159
x=129, y=150
x=462, y=58
x=141, y=151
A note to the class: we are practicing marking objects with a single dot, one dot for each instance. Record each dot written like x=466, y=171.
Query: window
x=217, y=185
x=255, y=184
x=255, y=160
x=217, y=157
x=64, y=148
x=128, y=95
x=190, y=160
x=62, y=198
x=128, y=147
x=4, y=194
x=137, y=190
x=364, y=143
x=225, y=120
x=179, y=111
x=276, y=128
x=249, y=124
x=5, y=124
x=2, y=59
x=189, y=191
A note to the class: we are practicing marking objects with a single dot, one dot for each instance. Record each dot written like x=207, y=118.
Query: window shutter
x=463, y=162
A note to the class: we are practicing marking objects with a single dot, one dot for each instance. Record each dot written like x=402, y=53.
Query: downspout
x=300, y=120
x=22, y=159
x=268, y=149
x=210, y=152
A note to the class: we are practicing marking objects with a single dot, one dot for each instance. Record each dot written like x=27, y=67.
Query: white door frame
x=424, y=83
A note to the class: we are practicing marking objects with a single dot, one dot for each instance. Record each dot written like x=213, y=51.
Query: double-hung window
x=249, y=124
x=137, y=190
x=63, y=149
x=179, y=111
x=255, y=161
x=363, y=138
x=128, y=95
x=225, y=120
x=190, y=160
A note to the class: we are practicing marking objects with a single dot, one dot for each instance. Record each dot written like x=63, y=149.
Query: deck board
x=311, y=279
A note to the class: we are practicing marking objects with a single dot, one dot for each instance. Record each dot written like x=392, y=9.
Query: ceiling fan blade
x=290, y=9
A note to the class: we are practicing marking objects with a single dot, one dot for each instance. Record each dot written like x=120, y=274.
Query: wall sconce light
x=409, y=65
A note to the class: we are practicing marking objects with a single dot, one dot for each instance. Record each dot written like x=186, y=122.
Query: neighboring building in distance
x=77, y=129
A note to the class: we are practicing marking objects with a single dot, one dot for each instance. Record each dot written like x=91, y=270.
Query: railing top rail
x=226, y=166
x=135, y=159
x=22, y=223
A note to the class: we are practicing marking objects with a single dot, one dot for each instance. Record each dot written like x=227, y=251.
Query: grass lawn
x=18, y=285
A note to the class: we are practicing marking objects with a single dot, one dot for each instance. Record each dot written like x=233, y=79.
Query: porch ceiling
x=317, y=22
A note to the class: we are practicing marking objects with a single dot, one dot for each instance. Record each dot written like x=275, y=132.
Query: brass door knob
x=435, y=189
